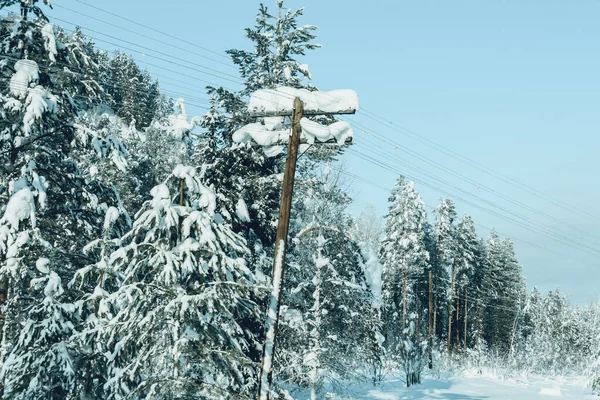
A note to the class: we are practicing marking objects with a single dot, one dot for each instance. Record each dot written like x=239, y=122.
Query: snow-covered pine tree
x=367, y=231
x=553, y=337
x=41, y=363
x=150, y=154
x=335, y=309
x=505, y=297
x=465, y=260
x=479, y=287
x=367, y=227
x=246, y=180
x=244, y=172
x=326, y=331
x=278, y=40
x=444, y=268
x=173, y=323
x=405, y=263
x=133, y=95
x=49, y=210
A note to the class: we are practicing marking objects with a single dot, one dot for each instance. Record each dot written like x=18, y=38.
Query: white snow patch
x=53, y=287
x=49, y=41
x=373, y=270
x=42, y=265
x=38, y=102
x=180, y=123
x=273, y=139
x=305, y=70
x=261, y=134
x=473, y=388
x=20, y=207
x=112, y=214
x=339, y=131
x=26, y=71
x=281, y=99
x=553, y=391
x=241, y=210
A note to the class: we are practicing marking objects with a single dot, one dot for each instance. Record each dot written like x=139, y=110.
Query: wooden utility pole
x=430, y=326
x=465, y=334
x=266, y=371
x=265, y=378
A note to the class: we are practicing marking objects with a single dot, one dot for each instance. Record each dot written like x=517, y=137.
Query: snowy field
x=468, y=388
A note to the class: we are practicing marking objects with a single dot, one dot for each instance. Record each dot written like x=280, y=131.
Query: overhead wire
x=452, y=186
x=387, y=190
x=165, y=53
x=555, y=237
x=144, y=36
x=197, y=67
x=380, y=120
x=377, y=150
x=474, y=164
x=398, y=146
x=152, y=29
x=370, y=147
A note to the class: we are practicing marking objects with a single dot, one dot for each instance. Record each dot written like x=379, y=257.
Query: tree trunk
x=450, y=309
x=457, y=317
x=430, y=342
x=404, y=303
x=314, y=374
x=465, y=324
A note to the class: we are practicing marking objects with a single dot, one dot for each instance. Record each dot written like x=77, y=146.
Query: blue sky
x=511, y=85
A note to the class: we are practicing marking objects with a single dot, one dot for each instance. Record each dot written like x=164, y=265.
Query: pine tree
x=246, y=180
x=173, y=323
x=41, y=363
x=278, y=40
x=444, y=268
x=326, y=325
x=465, y=262
x=505, y=294
x=479, y=288
x=49, y=209
x=405, y=263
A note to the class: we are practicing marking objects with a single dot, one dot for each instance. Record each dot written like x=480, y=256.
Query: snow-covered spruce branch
x=31, y=141
x=317, y=228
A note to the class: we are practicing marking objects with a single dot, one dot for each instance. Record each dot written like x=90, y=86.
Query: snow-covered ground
x=468, y=388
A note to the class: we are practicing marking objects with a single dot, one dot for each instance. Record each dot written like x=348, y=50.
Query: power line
x=480, y=167
x=221, y=77
x=396, y=127
x=555, y=237
x=434, y=177
x=373, y=184
x=153, y=29
x=545, y=231
x=145, y=36
x=196, y=68
x=397, y=146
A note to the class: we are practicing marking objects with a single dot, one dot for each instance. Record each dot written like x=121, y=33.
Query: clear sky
x=512, y=85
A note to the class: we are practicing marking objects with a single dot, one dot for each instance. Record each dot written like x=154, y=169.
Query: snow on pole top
x=280, y=101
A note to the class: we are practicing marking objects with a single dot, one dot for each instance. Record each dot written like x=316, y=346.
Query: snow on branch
x=273, y=138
